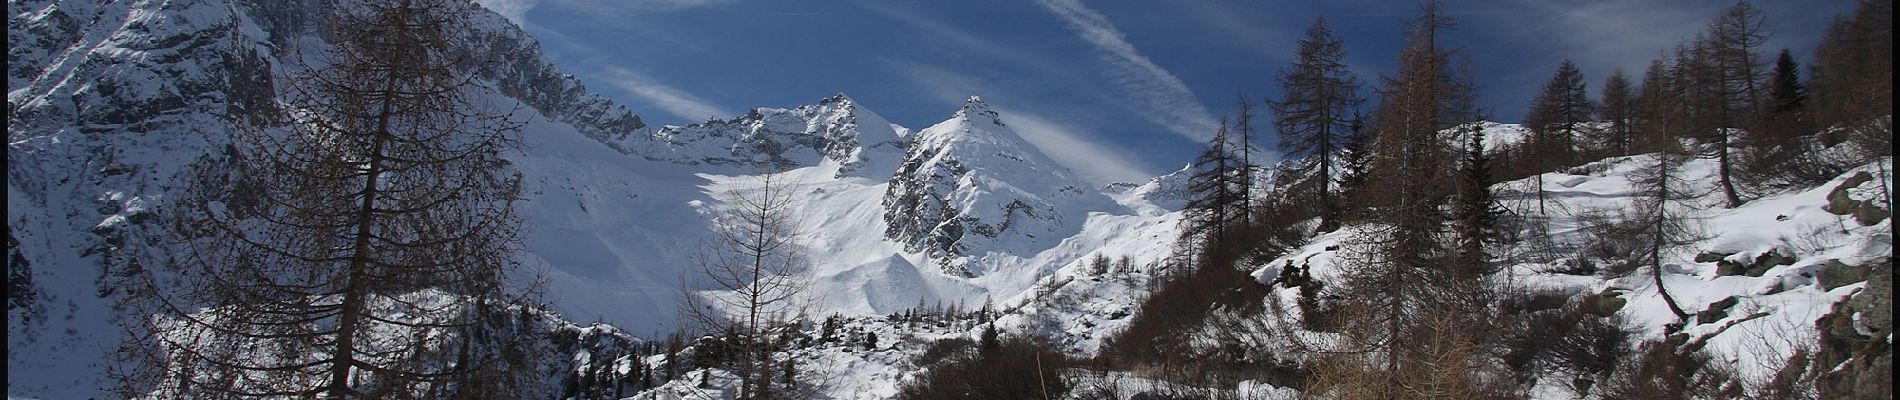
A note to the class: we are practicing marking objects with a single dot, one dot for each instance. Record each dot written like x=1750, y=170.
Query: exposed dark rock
x=1603, y=304
x=1717, y=310
x=1840, y=202
x=1835, y=274
x=1760, y=265
x=1854, y=347
x=19, y=275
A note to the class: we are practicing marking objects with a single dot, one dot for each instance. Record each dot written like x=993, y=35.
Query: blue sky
x=1117, y=91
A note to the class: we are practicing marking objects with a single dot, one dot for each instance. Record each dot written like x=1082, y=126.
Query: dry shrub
x=1015, y=369
x=1567, y=341
x=1672, y=369
x=1442, y=364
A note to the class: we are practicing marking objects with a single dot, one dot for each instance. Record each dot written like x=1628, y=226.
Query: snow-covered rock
x=1753, y=321
x=1161, y=194
x=837, y=129
x=114, y=104
x=971, y=184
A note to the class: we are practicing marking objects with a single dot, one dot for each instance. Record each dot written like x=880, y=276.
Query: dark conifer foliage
x=1853, y=72
x=1788, y=98
x=1355, y=163
x=1783, y=150
x=1475, y=212
x=1318, y=112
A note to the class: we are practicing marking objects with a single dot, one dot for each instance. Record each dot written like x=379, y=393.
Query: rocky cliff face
x=970, y=184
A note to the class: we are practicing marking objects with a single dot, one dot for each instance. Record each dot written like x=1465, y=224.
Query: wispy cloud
x=665, y=97
x=1154, y=88
x=961, y=38
x=1275, y=38
x=642, y=87
x=1095, y=163
x=1064, y=142
x=1608, y=34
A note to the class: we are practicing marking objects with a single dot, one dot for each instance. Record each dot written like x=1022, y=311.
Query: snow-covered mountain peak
x=835, y=129
x=975, y=110
x=1159, y=195
x=971, y=184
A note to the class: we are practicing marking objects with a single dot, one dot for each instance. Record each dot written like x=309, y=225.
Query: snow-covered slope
x=1757, y=281
x=837, y=129
x=971, y=185
x=108, y=103
x=1158, y=195
x=1039, y=216
x=113, y=103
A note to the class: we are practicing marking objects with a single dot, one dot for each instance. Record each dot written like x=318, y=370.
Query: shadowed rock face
x=970, y=185
x=113, y=102
x=1854, y=338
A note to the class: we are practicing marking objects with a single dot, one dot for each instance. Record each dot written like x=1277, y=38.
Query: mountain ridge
x=127, y=99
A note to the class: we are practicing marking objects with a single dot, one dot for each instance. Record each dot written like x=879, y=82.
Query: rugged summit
x=836, y=129
x=971, y=184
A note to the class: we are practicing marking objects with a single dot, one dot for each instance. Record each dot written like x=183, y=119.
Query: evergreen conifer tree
x=1788, y=98
x=1475, y=213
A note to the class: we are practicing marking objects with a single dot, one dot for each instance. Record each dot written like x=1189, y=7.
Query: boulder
x=1834, y=274
x=1716, y=311
x=1841, y=202
x=1602, y=304
x=1727, y=266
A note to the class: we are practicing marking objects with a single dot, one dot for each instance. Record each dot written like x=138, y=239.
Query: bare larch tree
x=1318, y=110
x=755, y=276
x=360, y=245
